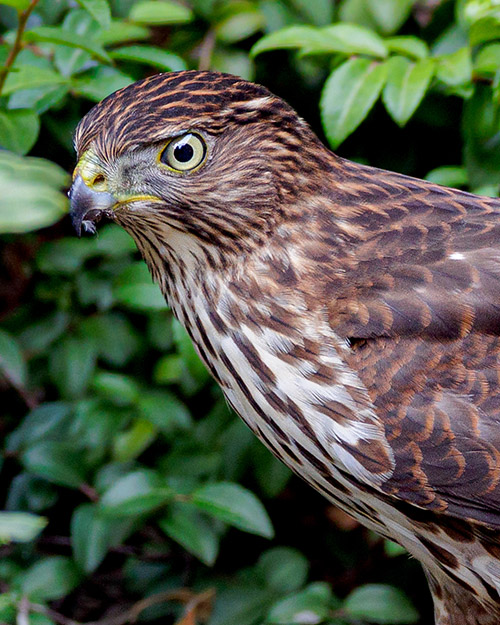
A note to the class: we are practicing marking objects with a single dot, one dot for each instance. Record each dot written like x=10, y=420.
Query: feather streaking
x=349, y=314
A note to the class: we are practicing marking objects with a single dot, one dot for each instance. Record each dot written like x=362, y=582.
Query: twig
x=206, y=49
x=23, y=611
x=183, y=595
x=16, y=48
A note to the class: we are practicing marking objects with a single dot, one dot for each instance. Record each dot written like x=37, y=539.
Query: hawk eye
x=184, y=153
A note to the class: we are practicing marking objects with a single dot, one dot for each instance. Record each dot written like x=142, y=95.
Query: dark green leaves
x=29, y=193
x=379, y=603
x=92, y=535
x=406, y=85
x=30, y=77
x=57, y=462
x=160, y=12
x=194, y=532
x=99, y=9
x=308, y=607
x=348, y=95
x=50, y=578
x=18, y=129
x=20, y=526
x=150, y=55
x=54, y=34
x=234, y=505
x=12, y=364
x=134, y=289
x=136, y=493
x=344, y=38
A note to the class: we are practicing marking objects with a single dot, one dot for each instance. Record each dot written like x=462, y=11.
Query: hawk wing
x=419, y=301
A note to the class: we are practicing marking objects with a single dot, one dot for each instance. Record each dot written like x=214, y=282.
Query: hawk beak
x=87, y=205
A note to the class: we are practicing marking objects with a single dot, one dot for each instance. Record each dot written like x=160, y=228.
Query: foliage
x=122, y=468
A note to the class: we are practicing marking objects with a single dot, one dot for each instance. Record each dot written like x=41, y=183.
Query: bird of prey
x=350, y=315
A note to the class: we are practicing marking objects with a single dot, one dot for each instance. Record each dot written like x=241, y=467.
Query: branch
x=16, y=48
x=206, y=50
x=191, y=600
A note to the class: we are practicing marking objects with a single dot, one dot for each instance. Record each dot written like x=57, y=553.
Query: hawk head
x=205, y=154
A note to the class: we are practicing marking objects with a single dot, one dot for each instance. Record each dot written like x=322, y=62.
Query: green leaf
x=20, y=527
x=239, y=25
x=380, y=603
x=389, y=15
x=61, y=36
x=272, y=474
x=130, y=444
x=233, y=61
x=40, y=99
x=449, y=176
x=456, y=68
x=136, y=493
x=163, y=410
x=43, y=422
x=308, y=607
x=50, y=578
x=29, y=195
x=290, y=37
x=19, y=130
x=71, y=365
x=406, y=86
x=348, y=95
x=160, y=12
x=63, y=256
x=135, y=289
x=169, y=369
x=93, y=535
x=19, y=5
x=487, y=60
x=99, y=82
x=115, y=337
x=186, y=349
x=235, y=505
x=113, y=241
x=99, y=9
x=485, y=29
x=56, y=462
x=284, y=569
x=393, y=550
x=69, y=60
x=408, y=45
x=167, y=61
x=12, y=362
x=348, y=39
x=481, y=129
x=187, y=527
x=119, y=32
x=344, y=38
x=121, y=389
x=29, y=77
x=319, y=12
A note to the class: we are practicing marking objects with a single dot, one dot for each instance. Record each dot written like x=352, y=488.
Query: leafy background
x=129, y=492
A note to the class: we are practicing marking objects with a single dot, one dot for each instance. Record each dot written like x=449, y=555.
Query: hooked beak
x=88, y=206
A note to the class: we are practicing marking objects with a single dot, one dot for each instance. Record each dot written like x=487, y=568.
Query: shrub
x=128, y=487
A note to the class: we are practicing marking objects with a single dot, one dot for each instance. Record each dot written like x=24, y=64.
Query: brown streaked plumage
x=350, y=315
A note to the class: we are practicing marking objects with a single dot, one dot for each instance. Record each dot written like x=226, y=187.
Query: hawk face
x=189, y=152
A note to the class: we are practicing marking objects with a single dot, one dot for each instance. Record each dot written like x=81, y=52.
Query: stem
x=206, y=50
x=16, y=48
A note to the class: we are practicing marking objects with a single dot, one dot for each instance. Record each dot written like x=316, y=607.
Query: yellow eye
x=184, y=153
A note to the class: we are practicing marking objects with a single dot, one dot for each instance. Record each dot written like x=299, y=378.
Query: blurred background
x=128, y=490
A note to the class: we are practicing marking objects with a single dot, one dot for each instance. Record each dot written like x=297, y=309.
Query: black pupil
x=183, y=153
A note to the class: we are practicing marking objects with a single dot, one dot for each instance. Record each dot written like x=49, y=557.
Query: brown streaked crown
x=139, y=113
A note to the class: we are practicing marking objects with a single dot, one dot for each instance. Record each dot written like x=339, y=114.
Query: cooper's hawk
x=350, y=315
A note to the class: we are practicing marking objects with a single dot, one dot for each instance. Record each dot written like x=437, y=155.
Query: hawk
x=350, y=315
